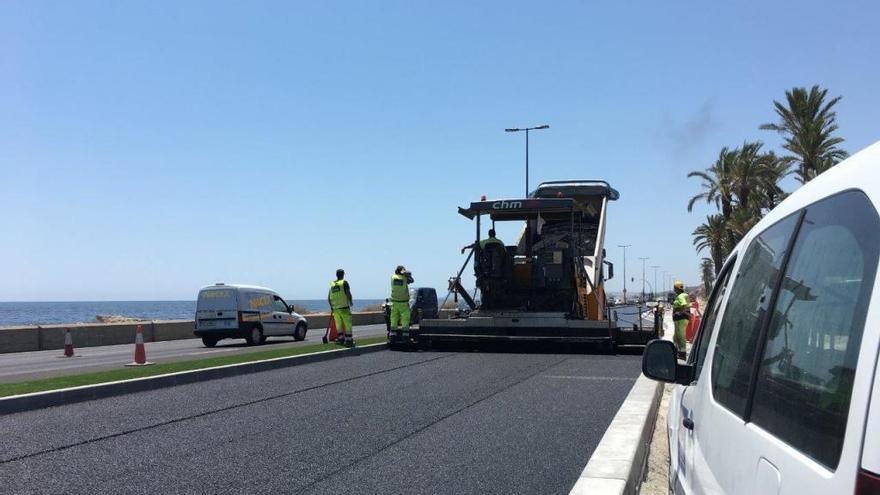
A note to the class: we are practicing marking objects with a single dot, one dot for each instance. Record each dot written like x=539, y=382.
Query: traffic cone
x=140, y=353
x=334, y=333
x=68, y=343
x=331, y=334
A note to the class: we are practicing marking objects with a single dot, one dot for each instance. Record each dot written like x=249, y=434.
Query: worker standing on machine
x=340, y=301
x=681, y=315
x=400, y=315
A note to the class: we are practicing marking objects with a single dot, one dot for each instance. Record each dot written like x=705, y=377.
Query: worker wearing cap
x=340, y=301
x=681, y=315
x=400, y=314
x=490, y=240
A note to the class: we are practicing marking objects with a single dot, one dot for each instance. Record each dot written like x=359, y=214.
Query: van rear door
x=217, y=308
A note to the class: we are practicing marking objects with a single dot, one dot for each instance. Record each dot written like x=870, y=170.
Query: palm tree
x=708, y=275
x=807, y=124
x=770, y=193
x=717, y=183
x=742, y=220
x=749, y=176
x=713, y=235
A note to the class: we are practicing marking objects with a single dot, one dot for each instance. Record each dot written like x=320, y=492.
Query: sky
x=150, y=148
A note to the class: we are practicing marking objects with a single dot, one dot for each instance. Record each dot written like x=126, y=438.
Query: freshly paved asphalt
x=21, y=366
x=386, y=422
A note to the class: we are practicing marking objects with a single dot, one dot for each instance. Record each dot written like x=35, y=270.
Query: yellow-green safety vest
x=681, y=307
x=338, y=298
x=399, y=288
x=491, y=240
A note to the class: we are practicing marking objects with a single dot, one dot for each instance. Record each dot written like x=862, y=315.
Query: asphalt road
x=386, y=422
x=21, y=366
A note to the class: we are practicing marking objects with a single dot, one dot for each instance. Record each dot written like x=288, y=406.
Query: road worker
x=400, y=314
x=490, y=240
x=681, y=315
x=340, y=301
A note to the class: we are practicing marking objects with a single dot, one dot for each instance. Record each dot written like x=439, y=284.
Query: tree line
x=744, y=182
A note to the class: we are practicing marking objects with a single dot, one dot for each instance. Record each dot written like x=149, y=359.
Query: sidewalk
x=657, y=477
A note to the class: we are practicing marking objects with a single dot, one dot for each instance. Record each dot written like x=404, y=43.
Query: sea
x=59, y=313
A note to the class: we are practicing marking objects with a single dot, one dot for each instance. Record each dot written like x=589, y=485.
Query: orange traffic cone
x=68, y=343
x=331, y=335
x=140, y=353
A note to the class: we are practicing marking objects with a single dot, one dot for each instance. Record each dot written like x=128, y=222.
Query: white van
x=780, y=393
x=245, y=312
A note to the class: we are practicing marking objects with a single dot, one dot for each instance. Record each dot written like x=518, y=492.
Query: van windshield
x=216, y=299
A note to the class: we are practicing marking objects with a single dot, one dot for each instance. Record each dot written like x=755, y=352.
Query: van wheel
x=209, y=342
x=300, y=332
x=256, y=337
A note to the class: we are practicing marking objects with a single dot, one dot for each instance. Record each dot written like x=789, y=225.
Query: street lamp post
x=643, y=276
x=624, y=246
x=654, y=287
x=527, y=129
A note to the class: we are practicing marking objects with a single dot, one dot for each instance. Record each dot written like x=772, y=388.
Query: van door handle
x=688, y=423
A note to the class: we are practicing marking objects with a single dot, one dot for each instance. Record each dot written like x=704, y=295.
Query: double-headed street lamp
x=643, y=276
x=527, y=129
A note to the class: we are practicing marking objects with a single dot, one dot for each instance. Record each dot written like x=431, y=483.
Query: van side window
x=259, y=302
x=708, y=322
x=278, y=305
x=736, y=345
x=806, y=373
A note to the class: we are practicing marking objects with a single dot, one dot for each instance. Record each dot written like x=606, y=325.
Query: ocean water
x=51, y=313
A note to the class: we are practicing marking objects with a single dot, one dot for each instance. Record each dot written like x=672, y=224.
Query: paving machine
x=549, y=286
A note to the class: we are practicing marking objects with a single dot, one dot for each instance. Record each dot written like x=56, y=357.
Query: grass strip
x=55, y=383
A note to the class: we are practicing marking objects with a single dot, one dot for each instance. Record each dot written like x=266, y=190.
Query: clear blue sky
x=149, y=148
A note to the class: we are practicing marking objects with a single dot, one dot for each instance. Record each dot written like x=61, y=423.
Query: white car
x=245, y=312
x=780, y=393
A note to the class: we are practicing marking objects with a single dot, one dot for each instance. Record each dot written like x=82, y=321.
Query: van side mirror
x=610, y=270
x=660, y=362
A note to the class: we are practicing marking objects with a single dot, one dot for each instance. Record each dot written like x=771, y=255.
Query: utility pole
x=654, y=288
x=624, y=246
x=643, y=276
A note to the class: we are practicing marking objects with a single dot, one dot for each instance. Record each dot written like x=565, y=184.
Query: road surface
x=385, y=422
x=21, y=366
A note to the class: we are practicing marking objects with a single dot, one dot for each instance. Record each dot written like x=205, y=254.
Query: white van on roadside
x=780, y=393
x=245, y=312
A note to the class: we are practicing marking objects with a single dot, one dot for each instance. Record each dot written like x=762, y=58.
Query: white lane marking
x=599, y=378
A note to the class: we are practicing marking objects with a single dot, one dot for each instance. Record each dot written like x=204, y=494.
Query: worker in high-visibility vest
x=681, y=315
x=340, y=301
x=483, y=243
x=400, y=313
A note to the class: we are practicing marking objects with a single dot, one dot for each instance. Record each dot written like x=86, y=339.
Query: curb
x=51, y=398
x=617, y=465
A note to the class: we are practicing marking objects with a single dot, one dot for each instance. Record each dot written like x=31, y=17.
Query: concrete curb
x=45, y=337
x=617, y=465
x=50, y=398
